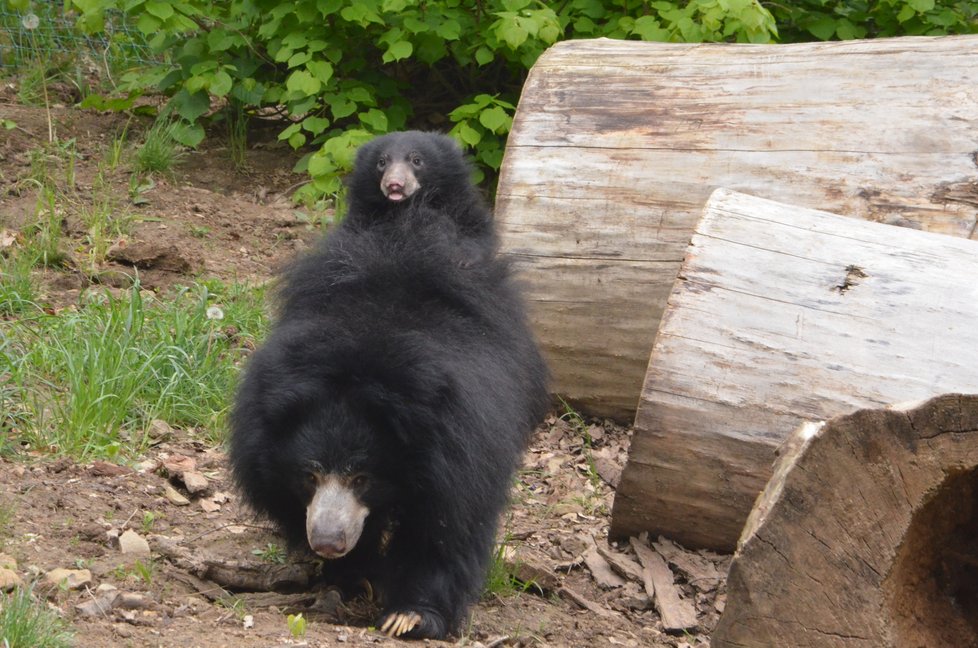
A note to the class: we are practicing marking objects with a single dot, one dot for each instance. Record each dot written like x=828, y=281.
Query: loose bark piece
x=616, y=145
x=780, y=315
x=622, y=564
x=677, y=613
x=584, y=602
x=865, y=536
x=700, y=571
x=602, y=573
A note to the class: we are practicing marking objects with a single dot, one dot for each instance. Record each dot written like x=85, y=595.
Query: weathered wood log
x=616, y=146
x=865, y=536
x=783, y=314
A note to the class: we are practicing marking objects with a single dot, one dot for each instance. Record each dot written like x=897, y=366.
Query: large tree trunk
x=783, y=314
x=865, y=536
x=616, y=146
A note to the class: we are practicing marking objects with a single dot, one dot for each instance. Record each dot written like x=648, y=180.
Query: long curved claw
x=400, y=623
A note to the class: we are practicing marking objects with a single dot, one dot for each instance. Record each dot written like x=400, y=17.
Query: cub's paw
x=413, y=624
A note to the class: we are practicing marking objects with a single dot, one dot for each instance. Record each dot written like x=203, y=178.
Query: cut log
x=780, y=315
x=616, y=145
x=865, y=536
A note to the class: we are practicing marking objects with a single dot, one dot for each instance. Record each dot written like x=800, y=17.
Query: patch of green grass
x=18, y=290
x=502, y=577
x=160, y=152
x=27, y=623
x=88, y=381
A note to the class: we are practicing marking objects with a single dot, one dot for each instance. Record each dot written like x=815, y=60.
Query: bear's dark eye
x=416, y=160
x=381, y=163
x=359, y=481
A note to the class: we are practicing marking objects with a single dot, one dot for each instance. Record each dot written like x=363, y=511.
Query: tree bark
x=616, y=146
x=780, y=315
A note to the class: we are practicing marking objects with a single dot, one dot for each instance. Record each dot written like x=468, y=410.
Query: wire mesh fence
x=46, y=33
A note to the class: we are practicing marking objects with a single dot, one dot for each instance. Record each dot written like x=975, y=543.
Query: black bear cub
x=382, y=421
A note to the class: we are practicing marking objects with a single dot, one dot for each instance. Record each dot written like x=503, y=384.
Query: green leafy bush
x=342, y=72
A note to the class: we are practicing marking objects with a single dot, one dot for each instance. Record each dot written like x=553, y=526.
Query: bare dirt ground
x=212, y=576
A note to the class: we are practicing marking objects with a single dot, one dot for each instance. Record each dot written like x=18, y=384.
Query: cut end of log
x=870, y=538
x=931, y=592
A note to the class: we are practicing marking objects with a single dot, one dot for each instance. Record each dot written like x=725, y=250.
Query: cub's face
x=401, y=170
x=398, y=167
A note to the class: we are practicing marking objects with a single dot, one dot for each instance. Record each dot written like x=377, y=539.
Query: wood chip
x=585, y=603
x=622, y=564
x=677, y=613
x=602, y=573
x=700, y=572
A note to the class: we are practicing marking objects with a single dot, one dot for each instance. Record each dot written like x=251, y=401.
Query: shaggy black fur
x=391, y=359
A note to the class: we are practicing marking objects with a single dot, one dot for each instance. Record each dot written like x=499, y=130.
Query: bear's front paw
x=414, y=624
x=400, y=623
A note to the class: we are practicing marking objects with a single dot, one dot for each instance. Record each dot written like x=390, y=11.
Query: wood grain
x=782, y=314
x=864, y=537
x=616, y=146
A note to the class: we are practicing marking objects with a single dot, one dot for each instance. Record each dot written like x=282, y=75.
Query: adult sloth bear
x=383, y=419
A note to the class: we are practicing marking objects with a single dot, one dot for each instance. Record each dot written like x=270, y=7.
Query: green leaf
x=375, y=119
x=449, y=30
x=921, y=6
x=298, y=59
x=847, y=31
x=397, y=51
x=495, y=119
x=484, y=55
x=327, y=7
x=297, y=140
x=221, y=83
x=467, y=134
x=342, y=107
x=8, y=124
x=188, y=134
x=511, y=30
x=302, y=82
x=19, y=5
x=220, y=40
x=823, y=28
x=148, y=24
x=648, y=29
x=161, y=10
x=322, y=70
x=190, y=105
x=315, y=125
x=289, y=131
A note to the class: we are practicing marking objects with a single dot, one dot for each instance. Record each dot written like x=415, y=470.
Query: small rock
x=9, y=579
x=195, y=482
x=209, y=506
x=134, y=601
x=131, y=542
x=248, y=621
x=178, y=464
x=174, y=496
x=8, y=562
x=108, y=469
x=159, y=430
x=70, y=578
x=98, y=606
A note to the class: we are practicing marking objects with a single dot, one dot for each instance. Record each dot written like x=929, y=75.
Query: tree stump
x=780, y=315
x=616, y=145
x=865, y=536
